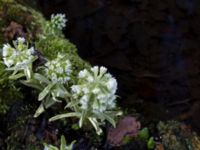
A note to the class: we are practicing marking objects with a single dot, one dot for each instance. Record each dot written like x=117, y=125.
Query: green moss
x=9, y=94
x=173, y=137
x=48, y=46
x=21, y=136
x=31, y=20
x=51, y=46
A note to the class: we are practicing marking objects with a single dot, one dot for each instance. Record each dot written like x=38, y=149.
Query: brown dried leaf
x=128, y=126
x=13, y=30
x=159, y=146
x=196, y=143
x=186, y=130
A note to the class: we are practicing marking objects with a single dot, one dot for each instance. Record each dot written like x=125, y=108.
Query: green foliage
x=54, y=80
x=20, y=137
x=55, y=25
x=93, y=98
x=50, y=41
x=151, y=143
x=18, y=58
x=171, y=135
x=51, y=46
x=169, y=126
x=144, y=134
x=8, y=91
x=63, y=145
x=30, y=19
x=127, y=139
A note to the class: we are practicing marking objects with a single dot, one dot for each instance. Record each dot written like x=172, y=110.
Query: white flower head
x=96, y=90
x=76, y=89
x=95, y=69
x=21, y=40
x=84, y=101
x=112, y=85
x=59, y=70
x=58, y=21
x=98, y=86
x=83, y=73
x=85, y=90
x=19, y=56
x=90, y=78
x=6, y=50
x=8, y=62
x=103, y=70
x=31, y=51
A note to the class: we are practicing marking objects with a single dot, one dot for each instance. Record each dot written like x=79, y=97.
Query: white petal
x=95, y=69
x=82, y=73
x=103, y=70
x=21, y=39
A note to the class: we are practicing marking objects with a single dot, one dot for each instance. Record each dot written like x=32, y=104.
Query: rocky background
x=151, y=46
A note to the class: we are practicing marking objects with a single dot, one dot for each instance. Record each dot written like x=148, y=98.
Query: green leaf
x=70, y=147
x=63, y=143
x=144, y=134
x=67, y=115
x=109, y=119
x=39, y=110
x=95, y=125
x=11, y=69
x=65, y=91
x=32, y=83
x=83, y=116
x=72, y=104
x=45, y=92
x=151, y=143
x=41, y=78
x=126, y=139
x=50, y=147
x=75, y=126
x=48, y=102
x=114, y=113
x=27, y=72
x=16, y=76
x=55, y=94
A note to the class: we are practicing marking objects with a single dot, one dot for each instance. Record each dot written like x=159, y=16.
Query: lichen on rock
x=176, y=135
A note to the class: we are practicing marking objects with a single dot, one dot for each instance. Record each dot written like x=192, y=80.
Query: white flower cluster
x=59, y=69
x=18, y=56
x=58, y=21
x=96, y=89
